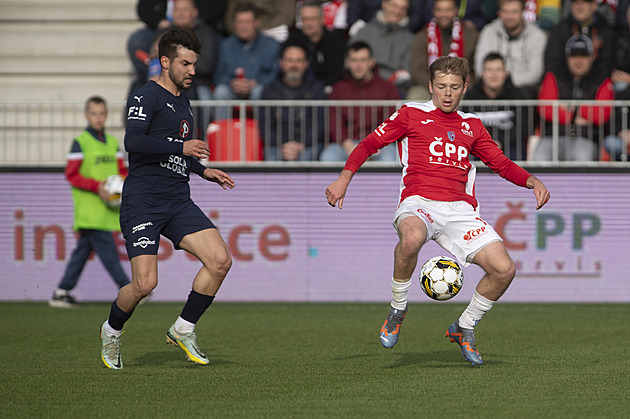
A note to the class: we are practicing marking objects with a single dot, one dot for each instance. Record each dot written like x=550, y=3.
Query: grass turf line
x=318, y=360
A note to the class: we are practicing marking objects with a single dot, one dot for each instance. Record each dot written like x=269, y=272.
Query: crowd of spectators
x=380, y=49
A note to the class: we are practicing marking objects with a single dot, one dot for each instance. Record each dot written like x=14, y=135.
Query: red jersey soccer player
x=437, y=196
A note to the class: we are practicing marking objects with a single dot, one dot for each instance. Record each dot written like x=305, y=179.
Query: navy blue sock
x=117, y=317
x=195, y=306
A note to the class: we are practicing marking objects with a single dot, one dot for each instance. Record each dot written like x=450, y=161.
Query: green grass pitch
x=319, y=360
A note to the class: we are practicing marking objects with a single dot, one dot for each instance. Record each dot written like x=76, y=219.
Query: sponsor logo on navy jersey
x=177, y=164
x=136, y=112
x=184, y=129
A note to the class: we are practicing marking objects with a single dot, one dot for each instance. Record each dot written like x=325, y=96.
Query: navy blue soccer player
x=156, y=199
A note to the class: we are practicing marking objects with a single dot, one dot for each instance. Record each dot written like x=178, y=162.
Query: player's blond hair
x=450, y=65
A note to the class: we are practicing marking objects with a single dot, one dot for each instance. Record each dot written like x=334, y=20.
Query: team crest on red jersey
x=184, y=129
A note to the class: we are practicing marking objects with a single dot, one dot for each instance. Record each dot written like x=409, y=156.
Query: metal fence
x=253, y=133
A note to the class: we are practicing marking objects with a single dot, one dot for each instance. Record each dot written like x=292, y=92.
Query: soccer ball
x=441, y=278
x=113, y=186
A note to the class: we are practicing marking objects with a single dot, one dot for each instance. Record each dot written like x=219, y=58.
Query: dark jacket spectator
x=508, y=125
x=325, y=49
x=586, y=21
x=281, y=124
x=365, y=10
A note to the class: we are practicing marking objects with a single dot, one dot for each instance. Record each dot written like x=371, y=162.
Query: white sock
x=110, y=331
x=399, y=293
x=478, y=306
x=184, y=327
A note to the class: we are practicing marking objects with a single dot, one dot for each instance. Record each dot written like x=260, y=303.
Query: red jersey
x=434, y=147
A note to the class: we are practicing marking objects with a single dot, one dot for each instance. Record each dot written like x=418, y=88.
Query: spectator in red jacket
x=580, y=127
x=348, y=124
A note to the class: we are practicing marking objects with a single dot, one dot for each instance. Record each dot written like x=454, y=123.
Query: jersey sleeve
x=197, y=167
x=392, y=129
x=139, y=116
x=489, y=152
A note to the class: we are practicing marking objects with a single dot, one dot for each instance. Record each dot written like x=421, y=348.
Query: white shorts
x=455, y=226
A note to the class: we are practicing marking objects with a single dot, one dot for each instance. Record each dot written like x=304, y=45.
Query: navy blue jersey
x=158, y=123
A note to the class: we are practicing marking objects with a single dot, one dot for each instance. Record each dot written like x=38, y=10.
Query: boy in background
x=94, y=156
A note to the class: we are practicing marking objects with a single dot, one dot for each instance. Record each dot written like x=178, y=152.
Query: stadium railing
x=37, y=134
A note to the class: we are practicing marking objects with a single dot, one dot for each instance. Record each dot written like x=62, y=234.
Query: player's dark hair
x=244, y=6
x=358, y=45
x=173, y=39
x=450, y=65
x=97, y=100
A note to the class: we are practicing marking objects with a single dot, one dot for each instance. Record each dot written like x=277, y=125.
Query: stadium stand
x=57, y=52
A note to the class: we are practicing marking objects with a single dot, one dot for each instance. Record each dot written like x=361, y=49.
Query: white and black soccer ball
x=441, y=278
x=114, y=186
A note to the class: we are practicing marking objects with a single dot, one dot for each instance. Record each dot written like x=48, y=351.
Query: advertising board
x=288, y=244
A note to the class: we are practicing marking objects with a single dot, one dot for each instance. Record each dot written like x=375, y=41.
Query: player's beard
x=182, y=84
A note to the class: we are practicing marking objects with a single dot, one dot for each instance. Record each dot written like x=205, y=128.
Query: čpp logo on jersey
x=448, y=153
x=184, y=129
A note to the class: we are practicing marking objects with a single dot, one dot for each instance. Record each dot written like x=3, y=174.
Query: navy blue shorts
x=143, y=219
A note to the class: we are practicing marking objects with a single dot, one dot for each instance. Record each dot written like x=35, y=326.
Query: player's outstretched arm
x=336, y=191
x=219, y=177
x=540, y=191
x=196, y=148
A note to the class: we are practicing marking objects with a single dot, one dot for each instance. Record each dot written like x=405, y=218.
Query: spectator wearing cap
x=580, y=126
x=584, y=19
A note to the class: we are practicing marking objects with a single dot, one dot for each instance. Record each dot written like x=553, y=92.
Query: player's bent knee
x=410, y=244
x=220, y=262
x=505, y=271
x=143, y=288
x=223, y=267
